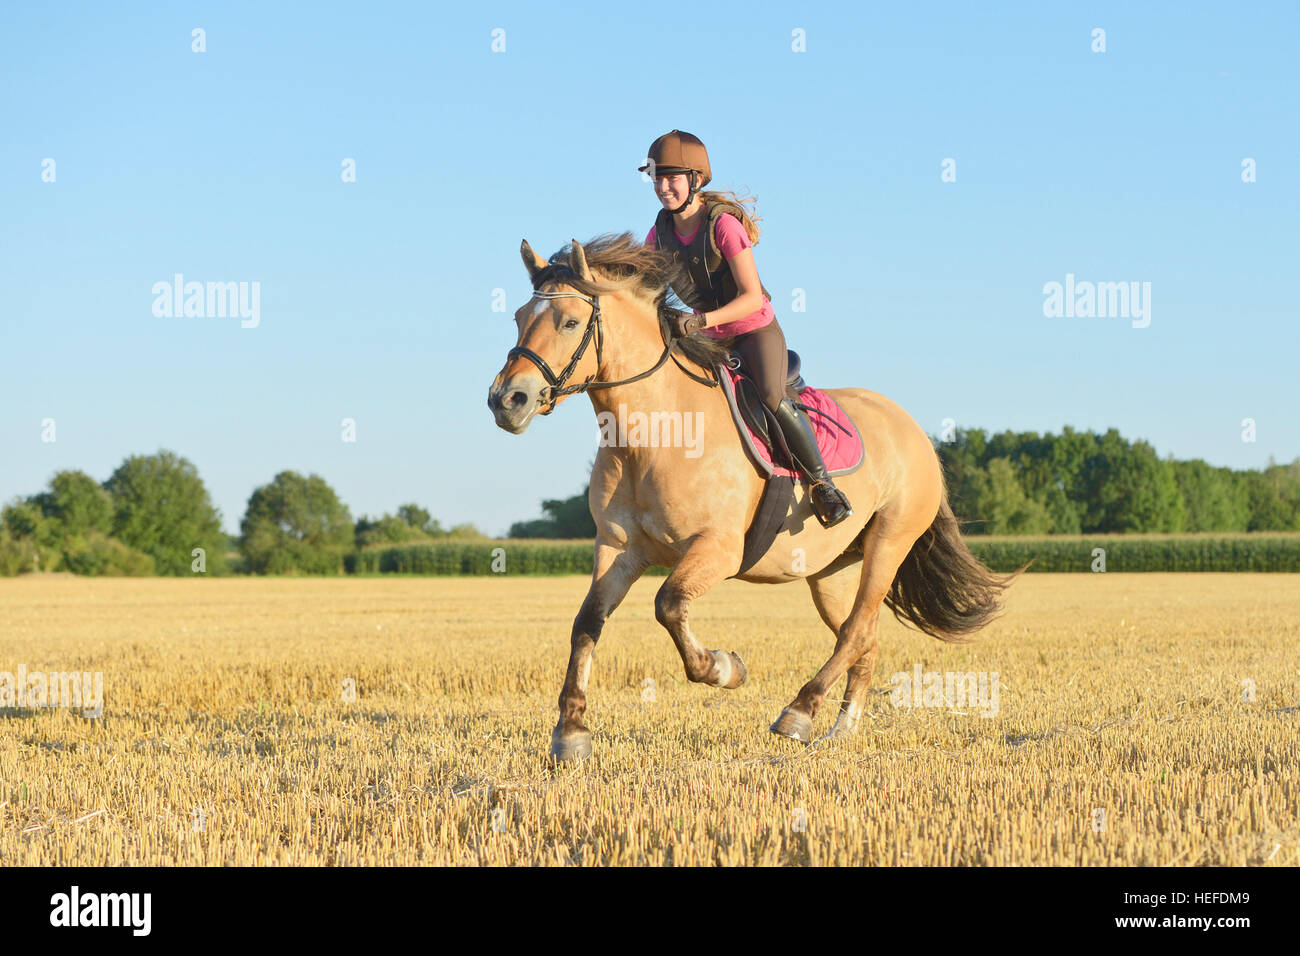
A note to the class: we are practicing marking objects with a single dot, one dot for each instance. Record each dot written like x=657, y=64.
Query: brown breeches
x=764, y=353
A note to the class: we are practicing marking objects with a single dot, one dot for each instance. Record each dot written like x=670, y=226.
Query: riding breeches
x=764, y=353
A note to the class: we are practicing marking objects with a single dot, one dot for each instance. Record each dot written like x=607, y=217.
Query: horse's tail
x=942, y=588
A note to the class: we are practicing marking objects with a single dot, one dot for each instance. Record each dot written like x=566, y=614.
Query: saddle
x=837, y=438
x=751, y=406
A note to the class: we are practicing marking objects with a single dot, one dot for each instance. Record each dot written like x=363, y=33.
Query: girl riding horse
x=710, y=236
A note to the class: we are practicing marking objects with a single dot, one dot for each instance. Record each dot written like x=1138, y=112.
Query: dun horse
x=656, y=505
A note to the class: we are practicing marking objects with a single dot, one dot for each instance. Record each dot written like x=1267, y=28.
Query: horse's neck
x=666, y=391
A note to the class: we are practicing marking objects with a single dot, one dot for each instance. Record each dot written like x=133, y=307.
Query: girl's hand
x=684, y=323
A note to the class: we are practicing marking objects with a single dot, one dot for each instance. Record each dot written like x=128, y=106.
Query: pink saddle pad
x=841, y=451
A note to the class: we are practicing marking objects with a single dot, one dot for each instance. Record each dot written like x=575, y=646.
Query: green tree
x=1062, y=515
x=1212, y=498
x=25, y=520
x=1127, y=488
x=31, y=541
x=97, y=554
x=1082, y=481
x=418, y=518
x=390, y=529
x=565, y=518
x=1002, y=505
x=1273, y=496
x=65, y=528
x=14, y=556
x=1070, y=451
x=296, y=524
x=963, y=470
x=161, y=508
x=77, y=504
x=469, y=530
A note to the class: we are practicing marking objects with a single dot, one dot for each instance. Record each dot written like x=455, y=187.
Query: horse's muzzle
x=514, y=402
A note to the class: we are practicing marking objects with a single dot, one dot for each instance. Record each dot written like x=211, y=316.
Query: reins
x=595, y=330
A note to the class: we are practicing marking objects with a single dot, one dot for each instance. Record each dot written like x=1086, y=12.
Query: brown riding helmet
x=679, y=152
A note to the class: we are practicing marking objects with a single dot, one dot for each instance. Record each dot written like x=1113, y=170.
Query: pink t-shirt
x=731, y=238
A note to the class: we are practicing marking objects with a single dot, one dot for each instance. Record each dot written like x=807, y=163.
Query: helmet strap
x=690, y=196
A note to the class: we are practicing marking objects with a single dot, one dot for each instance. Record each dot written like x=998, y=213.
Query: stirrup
x=836, y=510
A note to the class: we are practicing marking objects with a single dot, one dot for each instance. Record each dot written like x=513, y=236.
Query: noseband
x=555, y=384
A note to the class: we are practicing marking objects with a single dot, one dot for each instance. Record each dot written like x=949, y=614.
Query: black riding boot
x=828, y=502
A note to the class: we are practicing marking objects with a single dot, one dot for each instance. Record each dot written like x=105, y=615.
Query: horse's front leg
x=614, y=573
x=706, y=563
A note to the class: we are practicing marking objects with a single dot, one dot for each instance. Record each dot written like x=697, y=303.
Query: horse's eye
x=571, y=324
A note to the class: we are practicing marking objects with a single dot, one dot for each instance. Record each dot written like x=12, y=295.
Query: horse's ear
x=578, y=260
x=532, y=261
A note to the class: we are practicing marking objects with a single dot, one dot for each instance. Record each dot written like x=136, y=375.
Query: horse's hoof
x=731, y=670
x=742, y=672
x=570, y=749
x=835, y=733
x=846, y=724
x=794, y=725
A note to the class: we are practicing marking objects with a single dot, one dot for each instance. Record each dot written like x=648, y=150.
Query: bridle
x=555, y=384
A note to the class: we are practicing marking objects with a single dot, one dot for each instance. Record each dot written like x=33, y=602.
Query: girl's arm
x=749, y=291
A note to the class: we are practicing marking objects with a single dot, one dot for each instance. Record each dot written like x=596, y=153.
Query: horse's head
x=598, y=319
x=558, y=346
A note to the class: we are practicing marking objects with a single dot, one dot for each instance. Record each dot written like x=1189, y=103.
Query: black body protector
x=705, y=282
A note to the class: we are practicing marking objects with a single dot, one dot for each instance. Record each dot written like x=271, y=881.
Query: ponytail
x=749, y=220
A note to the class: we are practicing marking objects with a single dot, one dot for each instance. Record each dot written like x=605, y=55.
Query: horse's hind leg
x=884, y=547
x=705, y=564
x=833, y=591
x=614, y=573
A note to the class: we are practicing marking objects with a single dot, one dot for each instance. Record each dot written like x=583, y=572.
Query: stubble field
x=1141, y=719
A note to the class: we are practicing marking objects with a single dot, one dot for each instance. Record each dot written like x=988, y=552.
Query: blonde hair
x=749, y=219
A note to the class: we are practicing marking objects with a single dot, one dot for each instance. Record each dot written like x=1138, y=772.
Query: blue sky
x=376, y=295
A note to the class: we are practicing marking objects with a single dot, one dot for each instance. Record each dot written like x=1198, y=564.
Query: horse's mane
x=626, y=264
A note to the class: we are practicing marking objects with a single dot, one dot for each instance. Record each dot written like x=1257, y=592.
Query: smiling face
x=672, y=188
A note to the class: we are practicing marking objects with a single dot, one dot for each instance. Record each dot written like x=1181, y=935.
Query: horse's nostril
x=517, y=399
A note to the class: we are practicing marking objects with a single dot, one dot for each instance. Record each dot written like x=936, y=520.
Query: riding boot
x=828, y=503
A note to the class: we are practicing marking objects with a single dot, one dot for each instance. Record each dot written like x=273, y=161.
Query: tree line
x=1074, y=483
x=1086, y=483
x=154, y=515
